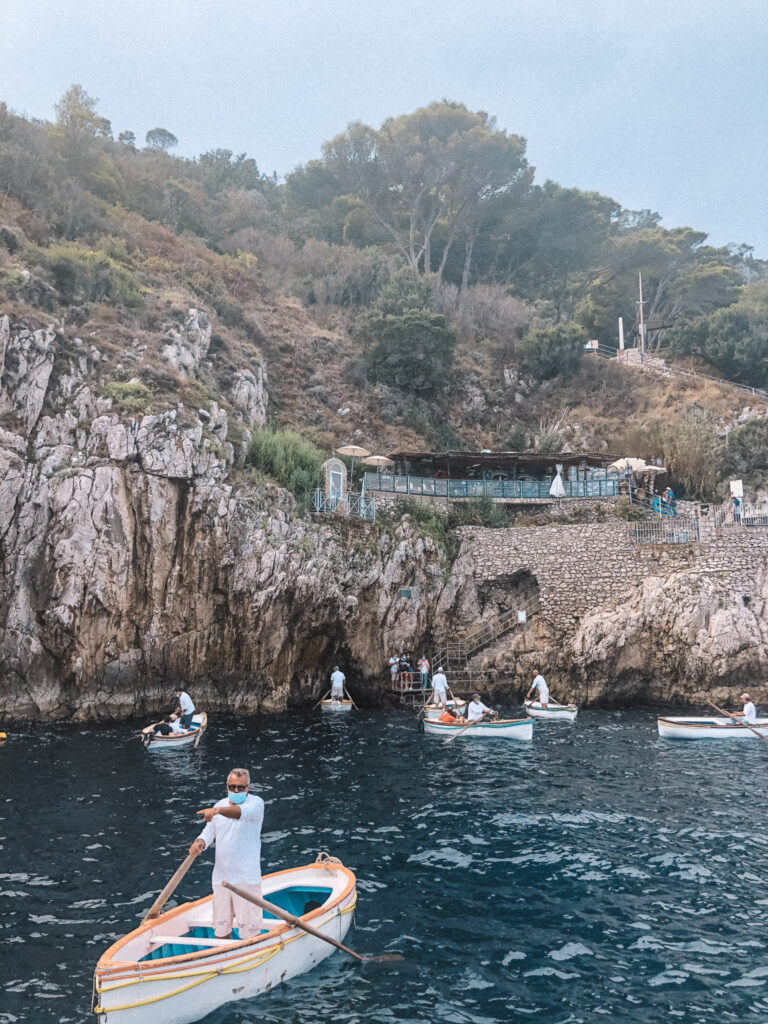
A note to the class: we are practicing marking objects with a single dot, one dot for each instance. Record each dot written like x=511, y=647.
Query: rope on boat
x=248, y=963
x=326, y=859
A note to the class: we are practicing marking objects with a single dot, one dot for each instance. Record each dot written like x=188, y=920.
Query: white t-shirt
x=393, y=666
x=238, y=843
x=176, y=725
x=439, y=683
x=424, y=666
x=185, y=703
x=476, y=709
x=750, y=712
x=337, y=682
x=540, y=684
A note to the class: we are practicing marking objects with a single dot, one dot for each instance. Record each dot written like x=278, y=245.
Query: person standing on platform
x=540, y=684
x=424, y=671
x=186, y=707
x=439, y=688
x=234, y=825
x=338, y=679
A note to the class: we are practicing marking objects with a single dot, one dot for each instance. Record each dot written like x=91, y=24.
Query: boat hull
x=181, y=989
x=433, y=711
x=336, y=705
x=552, y=712
x=157, y=743
x=505, y=729
x=709, y=729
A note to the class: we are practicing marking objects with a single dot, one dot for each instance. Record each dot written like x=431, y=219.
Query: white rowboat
x=433, y=711
x=552, y=712
x=499, y=729
x=333, y=704
x=710, y=729
x=155, y=741
x=172, y=970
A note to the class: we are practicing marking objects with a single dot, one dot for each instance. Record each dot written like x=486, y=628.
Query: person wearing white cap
x=749, y=714
x=439, y=688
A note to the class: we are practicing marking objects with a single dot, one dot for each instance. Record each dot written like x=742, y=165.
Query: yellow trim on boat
x=247, y=963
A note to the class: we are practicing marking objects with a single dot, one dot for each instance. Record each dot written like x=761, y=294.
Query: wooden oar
x=321, y=700
x=464, y=728
x=349, y=697
x=199, y=734
x=168, y=891
x=738, y=721
x=296, y=922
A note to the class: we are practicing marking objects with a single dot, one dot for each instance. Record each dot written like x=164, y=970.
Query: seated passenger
x=164, y=728
x=176, y=724
x=447, y=717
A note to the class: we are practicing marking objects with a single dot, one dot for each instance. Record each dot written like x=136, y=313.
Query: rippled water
x=597, y=871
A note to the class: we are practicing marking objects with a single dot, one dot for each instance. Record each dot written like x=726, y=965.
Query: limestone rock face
x=249, y=396
x=26, y=361
x=185, y=346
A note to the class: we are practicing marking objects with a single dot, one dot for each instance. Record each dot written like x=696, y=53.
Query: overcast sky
x=656, y=103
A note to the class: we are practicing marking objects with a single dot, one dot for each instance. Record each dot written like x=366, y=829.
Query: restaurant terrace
x=501, y=476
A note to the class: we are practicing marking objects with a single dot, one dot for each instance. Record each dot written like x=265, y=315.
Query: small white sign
x=522, y=617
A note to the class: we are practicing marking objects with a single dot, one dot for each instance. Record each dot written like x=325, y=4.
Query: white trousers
x=227, y=906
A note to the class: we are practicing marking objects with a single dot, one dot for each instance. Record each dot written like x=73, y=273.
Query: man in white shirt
x=186, y=708
x=476, y=710
x=234, y=825
x=394, y=669
x=439, y=688
x=337, y=684
x=540, y=684
x=749, y=714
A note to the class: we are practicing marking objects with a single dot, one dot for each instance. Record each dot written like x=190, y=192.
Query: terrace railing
x=351, y=506
x=743, y=516
x=673, y=530
x=430, y=487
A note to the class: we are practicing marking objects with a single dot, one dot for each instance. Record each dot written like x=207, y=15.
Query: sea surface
x=596, y=873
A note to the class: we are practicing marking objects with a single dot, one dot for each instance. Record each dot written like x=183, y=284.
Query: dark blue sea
x=597, y=873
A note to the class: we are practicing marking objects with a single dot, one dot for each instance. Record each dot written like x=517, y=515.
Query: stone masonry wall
x=579, y=568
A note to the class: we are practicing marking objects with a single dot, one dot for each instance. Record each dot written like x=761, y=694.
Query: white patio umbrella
x=355, y=451
x=379, y=461
x=622, y=465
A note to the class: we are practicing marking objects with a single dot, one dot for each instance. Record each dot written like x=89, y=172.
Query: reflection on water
x=595, y=872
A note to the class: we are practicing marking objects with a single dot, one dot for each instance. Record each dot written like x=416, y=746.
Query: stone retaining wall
x=579, y=568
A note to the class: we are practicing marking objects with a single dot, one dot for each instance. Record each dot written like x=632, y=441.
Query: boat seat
x=188, y=940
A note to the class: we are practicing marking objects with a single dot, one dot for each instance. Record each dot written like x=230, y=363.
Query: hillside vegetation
x=414, y=285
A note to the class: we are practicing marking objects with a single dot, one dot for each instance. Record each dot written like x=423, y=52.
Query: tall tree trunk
x=470, y=245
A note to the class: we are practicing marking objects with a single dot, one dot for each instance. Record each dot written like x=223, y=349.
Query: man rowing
x=539, y=683
x=234, y=825
x=186, y=708
x=337, y=683
x=749, y=714
x=439, y=688
x=477, y=711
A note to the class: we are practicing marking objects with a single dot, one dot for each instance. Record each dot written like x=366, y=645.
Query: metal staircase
x=454, y=655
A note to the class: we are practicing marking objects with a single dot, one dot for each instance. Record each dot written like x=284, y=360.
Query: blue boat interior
x=296, y=900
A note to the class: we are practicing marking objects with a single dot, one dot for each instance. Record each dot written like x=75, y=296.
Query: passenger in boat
x=476, y=710
x=186, y=708
x=539, y=683
x=439, y=688
x=337, y=684
x=749, y=714
x=234, y=825
x=176, y=725
x=164, y=728
x=448, y=717
x=424, y=671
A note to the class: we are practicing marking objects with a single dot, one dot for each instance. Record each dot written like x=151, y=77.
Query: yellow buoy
x=3, y=737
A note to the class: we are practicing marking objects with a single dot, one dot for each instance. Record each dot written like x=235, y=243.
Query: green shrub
x=553, y=351
x=477, y=512
x=130, y=396
x=85, y=275
x=517, y=439
x=747, y=453
x=289, y=459
x=412, y=352
x=733, y=340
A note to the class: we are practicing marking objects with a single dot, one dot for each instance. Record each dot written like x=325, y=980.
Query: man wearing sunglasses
x=234, y=825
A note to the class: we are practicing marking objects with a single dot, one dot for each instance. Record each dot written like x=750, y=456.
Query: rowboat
x=710, y=729
x=172, y=970
x=552, y=712
x=499, y=729
x=433, y=711
x=334, y=704
x=154, y=741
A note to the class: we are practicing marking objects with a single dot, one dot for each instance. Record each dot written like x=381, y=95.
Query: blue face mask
x=237, y=798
